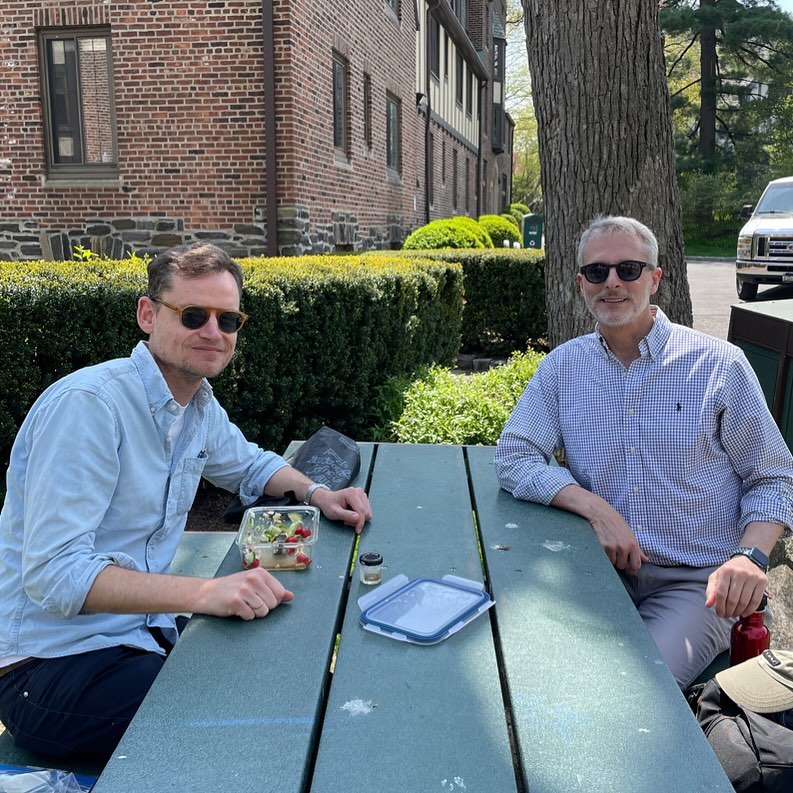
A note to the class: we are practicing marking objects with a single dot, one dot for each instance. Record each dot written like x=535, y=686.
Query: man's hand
x=249, y=594
x=736, y=588
x=618, y=540
x=350, y=506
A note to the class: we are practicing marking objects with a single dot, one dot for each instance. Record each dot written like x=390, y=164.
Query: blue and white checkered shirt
x=681, y=443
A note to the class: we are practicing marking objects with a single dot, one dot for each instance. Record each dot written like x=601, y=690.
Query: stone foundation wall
x=116, y=238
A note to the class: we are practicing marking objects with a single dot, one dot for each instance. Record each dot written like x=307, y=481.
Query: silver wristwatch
x=310, y=491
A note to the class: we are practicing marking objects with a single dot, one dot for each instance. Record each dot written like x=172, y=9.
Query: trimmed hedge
x=324, y=333
x=500, y=229
x=504, y=297
x=458, y=232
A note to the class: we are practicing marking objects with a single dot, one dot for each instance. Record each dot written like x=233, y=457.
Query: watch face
x=755, y=554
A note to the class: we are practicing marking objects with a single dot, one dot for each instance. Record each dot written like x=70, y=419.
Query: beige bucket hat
x=763, y=684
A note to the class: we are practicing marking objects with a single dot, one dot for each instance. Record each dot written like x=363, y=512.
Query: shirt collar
x=653, y=343
x=157, y=392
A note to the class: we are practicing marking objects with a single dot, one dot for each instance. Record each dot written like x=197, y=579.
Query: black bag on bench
x=327, y=457
x=754, y=750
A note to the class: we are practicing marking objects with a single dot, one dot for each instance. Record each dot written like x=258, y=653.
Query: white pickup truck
x=765, y=243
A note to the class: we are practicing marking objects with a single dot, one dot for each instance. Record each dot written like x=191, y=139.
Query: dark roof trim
x=442, y=11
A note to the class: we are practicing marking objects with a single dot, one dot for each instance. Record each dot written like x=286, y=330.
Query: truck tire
x=747, y=290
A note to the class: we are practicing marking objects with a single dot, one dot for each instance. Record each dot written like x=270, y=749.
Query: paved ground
x=712, y=284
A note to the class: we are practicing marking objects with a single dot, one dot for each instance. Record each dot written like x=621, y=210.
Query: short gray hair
x=609, y=224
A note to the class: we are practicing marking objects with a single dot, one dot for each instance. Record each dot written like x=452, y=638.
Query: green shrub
x=510, y=218
x=499, y=230
x=518, y=210
x=457, y=232
x=325, y=332
x=445, y=408
x=504, y=298
x=476, y=228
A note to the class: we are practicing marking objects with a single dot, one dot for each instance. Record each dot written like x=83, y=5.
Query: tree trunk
x=605, y=140
x=707, y=89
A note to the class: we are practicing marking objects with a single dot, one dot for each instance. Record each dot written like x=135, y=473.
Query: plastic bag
x=18, y=779
x=327, y=457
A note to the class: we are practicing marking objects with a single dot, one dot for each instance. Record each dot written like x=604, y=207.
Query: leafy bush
x=504, y=297
x=517, y=211
x=499, y=230
x=324, y=333
x=445, y=408
x=510, y=218
x=458, y=232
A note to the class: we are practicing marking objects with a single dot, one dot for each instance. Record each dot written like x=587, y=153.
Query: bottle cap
x=763, y=603
x=371, y=559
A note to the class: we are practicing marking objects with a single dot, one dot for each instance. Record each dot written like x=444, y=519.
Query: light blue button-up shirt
x=680, y=443
x=93, y=481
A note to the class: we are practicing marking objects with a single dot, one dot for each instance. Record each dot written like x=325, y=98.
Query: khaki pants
x=671, y=601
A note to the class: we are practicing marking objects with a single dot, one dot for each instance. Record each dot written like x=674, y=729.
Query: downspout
x=479, y=151
x=427, y=161
x=271, y=195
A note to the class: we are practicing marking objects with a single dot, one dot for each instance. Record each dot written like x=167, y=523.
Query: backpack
x=755, y=752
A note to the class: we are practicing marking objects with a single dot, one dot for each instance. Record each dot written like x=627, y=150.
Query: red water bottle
x=749, y=637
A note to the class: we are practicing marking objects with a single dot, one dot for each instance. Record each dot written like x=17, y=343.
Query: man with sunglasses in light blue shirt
x=102, y=475
x=671, y=452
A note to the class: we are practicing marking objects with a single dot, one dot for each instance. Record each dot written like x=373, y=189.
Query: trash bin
x=532, y=231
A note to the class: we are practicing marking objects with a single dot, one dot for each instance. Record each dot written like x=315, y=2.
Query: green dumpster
x=532, y=231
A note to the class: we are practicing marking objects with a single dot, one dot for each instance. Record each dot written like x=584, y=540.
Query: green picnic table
x=557, y=688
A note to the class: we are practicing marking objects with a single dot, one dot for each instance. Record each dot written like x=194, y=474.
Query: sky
x=785, y=5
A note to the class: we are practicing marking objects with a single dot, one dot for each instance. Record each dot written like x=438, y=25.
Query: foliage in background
x=448, y=233
x=499, y=230
x=442, y=407
x=504, y=298
x=324, y=334
x=730, y=77
x=510, y=218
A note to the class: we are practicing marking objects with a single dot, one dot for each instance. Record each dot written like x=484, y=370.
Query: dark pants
x=78, y=703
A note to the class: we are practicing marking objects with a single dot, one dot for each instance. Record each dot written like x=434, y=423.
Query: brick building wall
x=188, y=83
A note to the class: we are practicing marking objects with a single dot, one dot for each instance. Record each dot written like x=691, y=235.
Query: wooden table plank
x=437, y=717
x=594, y=707
x=236, y=705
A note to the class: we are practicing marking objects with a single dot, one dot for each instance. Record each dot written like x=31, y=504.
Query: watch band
x=310, y=491
x=753, y=555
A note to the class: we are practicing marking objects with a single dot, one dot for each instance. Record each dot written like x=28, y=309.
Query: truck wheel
x=746, y=289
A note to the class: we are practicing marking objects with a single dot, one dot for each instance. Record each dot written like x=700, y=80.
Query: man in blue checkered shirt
x=672, y=454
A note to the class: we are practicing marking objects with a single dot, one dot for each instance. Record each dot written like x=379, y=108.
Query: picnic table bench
x=557, y=688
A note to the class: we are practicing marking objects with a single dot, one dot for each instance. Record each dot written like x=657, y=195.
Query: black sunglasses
x=195, y=317
x=597, y=272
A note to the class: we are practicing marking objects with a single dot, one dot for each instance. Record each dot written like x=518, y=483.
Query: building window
x=446, y=55
x=79, y=116
x=504, y=196
x=469, y=93
x=340, y=104
x=393, y=133
x=367, y=110
x=459, y=79
x=435, y=47
x=393, y=5
x=454, y=178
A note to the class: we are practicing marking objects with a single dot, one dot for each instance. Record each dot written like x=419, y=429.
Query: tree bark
x=605, y=141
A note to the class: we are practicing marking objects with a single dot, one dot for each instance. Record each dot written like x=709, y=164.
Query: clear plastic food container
x=278, y=538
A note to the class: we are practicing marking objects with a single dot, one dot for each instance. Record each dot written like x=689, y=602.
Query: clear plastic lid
x=425, y=610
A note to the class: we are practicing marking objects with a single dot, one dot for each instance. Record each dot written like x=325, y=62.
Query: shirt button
x=635, y=489
x=630, y=411
x=633, y=450
x=639, y=527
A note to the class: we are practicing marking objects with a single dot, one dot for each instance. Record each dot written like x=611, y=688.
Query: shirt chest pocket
x=185, y=480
